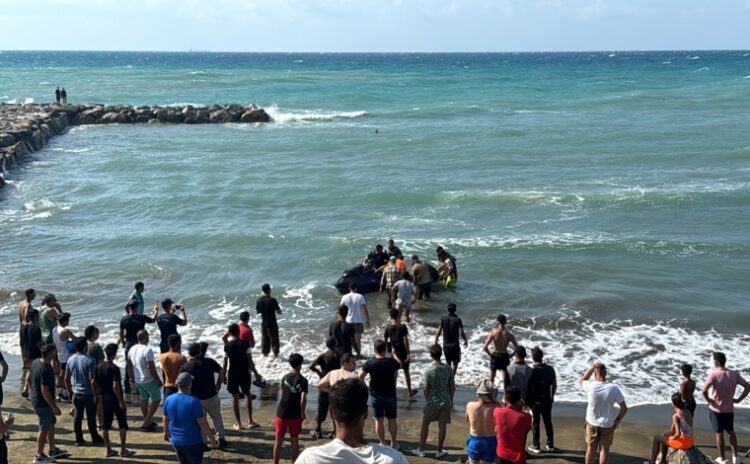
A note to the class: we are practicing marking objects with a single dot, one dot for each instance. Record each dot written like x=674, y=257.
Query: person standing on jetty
x=349, y=413
x=130, y=325
x=482, y=443
x=540, y=396
x=43, y=401
x=64, y=96
x=357, y=315
x=452, y=328
x=57, y=95
x=719, y=392
x=383, y=371
x=439, y=388
x=501, y=337
x=391, y=275
x=168, y=322
x=185, y=423
x=602, y=416
x=268, y=308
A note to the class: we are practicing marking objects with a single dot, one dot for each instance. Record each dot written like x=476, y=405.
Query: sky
x=374, y=25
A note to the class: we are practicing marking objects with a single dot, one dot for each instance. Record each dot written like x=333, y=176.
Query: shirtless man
x=23, y=311
x=501, y=337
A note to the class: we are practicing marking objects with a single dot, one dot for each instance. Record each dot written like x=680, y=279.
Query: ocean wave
x=282, y=116
x=15, y=101
x=72, y=150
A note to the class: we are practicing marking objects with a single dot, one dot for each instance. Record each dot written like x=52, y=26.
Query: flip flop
x=237, y=427
x=112, y=454
x=127, y=453
x=314, y=435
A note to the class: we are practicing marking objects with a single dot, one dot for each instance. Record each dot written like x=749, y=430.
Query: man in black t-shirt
x=396, y=337
x=290, y=412
x=239, y=358
x=451, y=327
x=322, y=365
x=382, y=372
x=130, y=325
x=343, y=333
x=31, y=338
x=268, y=308
x=540, y=396
x=111, y=401
x=168, y=322
x=205, y=386
x=43, y=401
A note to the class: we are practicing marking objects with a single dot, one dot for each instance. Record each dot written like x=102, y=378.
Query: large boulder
x=691, y=456
x=220, y=116
x=255, y=116
x=169, y=115
x=197, y=117
x=115, y=117
x=6, y=140
x=90, y=116
x=142, y=114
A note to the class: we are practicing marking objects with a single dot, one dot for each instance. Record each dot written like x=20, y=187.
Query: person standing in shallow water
x=501, y=338
x=268, y=308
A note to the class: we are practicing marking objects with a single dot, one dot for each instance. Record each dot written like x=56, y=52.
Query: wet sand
x=632, y=441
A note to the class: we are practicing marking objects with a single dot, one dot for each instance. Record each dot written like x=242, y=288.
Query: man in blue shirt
x=80, y=380
x=185, y=423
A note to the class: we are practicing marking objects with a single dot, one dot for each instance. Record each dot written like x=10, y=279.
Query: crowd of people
x=60, y=366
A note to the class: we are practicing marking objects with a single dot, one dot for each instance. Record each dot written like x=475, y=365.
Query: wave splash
x=281, y=116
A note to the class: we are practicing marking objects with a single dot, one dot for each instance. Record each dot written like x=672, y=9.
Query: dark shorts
x=452, y=353
x=359, y=328
x=169, y=391
x=110, y=410
x=383, y=406
x=46, y=418
x=239, y=383
x=499, y=361
x=721, y=421
x=401, y=355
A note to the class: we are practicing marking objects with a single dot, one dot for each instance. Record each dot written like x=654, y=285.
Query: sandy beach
x=632, y=441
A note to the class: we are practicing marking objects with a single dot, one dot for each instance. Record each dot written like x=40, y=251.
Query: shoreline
x=27, y=128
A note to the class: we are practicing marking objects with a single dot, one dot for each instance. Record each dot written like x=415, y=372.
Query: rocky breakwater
x=25, y=129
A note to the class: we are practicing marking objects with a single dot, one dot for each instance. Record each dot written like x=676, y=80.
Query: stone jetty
x=25, y=129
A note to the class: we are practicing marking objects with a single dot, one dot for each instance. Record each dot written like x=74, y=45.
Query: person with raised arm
x=606, y=409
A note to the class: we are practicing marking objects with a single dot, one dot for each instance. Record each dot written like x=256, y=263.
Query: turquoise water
x=601, y=200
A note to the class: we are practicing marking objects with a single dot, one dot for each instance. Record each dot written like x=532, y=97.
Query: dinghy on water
x=368, y=281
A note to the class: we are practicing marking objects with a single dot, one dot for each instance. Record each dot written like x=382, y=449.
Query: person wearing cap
x=422, y=278
x=391, y=275
x=185, y=423
x=482, y=443
x=130, y=325
x=168, y=322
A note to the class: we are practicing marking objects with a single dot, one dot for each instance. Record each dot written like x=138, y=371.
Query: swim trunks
x=499, y=361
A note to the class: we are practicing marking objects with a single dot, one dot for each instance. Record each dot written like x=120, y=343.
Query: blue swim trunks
x=482, y=448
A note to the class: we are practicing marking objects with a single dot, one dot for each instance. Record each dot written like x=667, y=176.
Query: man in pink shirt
x=512, y=426
x=719, y=392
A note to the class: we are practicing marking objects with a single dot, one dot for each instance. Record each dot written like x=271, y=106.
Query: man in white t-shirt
x=602, y=414
x=358, y=314
x=404, y=293
x=349, y=412
x=142, y=364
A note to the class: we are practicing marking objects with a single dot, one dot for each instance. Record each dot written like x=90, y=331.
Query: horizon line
x=654, y=50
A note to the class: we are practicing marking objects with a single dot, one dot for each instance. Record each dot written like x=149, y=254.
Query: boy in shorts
x=290, y=413
x=239, y=358
x=111, y=401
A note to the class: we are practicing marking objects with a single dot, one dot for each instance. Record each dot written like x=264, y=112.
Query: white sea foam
x=283, y=116
x=72, y=150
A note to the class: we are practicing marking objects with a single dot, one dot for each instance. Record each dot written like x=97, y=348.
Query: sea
x=600, y=200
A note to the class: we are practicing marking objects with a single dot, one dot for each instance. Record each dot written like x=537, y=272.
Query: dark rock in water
x=255, y=116
x=119, y=117
x=169, y=115
x=6, y=140
x=90, y=116
x=220, y=116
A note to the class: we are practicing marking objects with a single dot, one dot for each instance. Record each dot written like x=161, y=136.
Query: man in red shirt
x=512, y=426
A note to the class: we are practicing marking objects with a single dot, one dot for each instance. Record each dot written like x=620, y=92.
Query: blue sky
x=374, y=25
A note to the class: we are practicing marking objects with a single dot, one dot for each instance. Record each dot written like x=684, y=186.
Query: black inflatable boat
x=368, y=281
